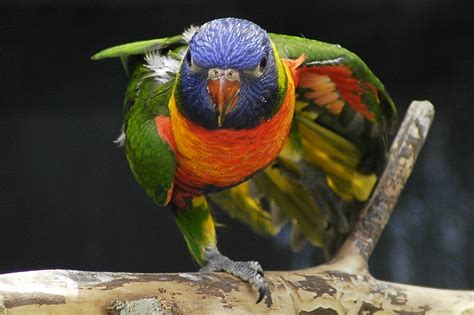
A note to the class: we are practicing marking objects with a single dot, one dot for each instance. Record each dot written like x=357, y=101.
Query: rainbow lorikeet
x=268, y=127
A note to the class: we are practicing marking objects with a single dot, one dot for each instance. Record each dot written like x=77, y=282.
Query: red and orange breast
x=222, y=158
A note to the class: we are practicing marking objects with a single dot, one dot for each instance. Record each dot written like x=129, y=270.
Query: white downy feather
x=120, y=141
x=163, y=67
x=189, y=32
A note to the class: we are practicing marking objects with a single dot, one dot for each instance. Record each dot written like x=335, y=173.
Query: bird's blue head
x=229, y=76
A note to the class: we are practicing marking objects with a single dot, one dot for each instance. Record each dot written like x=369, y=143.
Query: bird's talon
x=262, y=291
x=249, y=271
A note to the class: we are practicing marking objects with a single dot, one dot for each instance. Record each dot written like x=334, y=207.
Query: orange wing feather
x=332, y=87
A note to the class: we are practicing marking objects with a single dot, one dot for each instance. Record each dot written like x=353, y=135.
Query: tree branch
x=343, y=286
x=325, y=288
x=403, y=153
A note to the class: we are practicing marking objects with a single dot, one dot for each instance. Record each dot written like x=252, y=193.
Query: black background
x=68, y=199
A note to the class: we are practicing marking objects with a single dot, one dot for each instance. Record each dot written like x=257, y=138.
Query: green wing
x=349, y=74
x=139, y=48
x=132, y=54
x=149, y=152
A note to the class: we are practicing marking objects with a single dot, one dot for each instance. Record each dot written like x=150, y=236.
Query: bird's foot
x=249, y=271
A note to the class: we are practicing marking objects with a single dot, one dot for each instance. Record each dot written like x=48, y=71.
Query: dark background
x=68, y=199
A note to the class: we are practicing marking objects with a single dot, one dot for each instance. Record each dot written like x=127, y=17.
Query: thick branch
x=325, y=288
x=403, y=153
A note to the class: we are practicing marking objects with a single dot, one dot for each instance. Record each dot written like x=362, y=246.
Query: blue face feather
x=240, y=46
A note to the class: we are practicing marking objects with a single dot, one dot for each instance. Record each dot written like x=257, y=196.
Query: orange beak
x=224, y=87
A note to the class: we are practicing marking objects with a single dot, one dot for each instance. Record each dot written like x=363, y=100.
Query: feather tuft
x=189, y=32
x=120, y=141
x=163, y=68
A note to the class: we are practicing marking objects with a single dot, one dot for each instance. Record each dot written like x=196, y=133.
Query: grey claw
x=249, y=271
x=262, y=291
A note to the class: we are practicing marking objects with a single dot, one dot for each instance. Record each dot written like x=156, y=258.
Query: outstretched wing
x=338, y=86
x=343, y=113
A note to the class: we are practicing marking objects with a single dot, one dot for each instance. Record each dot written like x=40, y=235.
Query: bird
x=273, y=129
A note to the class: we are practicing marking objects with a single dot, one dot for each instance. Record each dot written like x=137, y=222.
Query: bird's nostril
x=232, y=75
x=214, y=73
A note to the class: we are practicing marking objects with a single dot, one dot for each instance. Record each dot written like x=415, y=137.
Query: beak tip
x=220, y=119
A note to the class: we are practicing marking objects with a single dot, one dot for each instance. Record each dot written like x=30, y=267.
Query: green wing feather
x=151, y=158
x=131, y=54
x=138, y=48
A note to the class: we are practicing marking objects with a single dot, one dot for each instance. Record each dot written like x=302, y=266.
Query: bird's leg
x=197, y=226
x=249, y=271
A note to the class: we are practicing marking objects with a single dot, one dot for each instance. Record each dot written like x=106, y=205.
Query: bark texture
x=327, y=289
x=343, y=286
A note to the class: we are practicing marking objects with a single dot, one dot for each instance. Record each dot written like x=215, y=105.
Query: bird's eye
x=191, y=64
x=258, y=71
x=263, y=63
x=189, y=59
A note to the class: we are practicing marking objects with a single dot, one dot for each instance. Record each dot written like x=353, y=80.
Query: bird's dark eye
x=258, y=71
x=189, y=59
x=193, y=67
x=263, y=63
